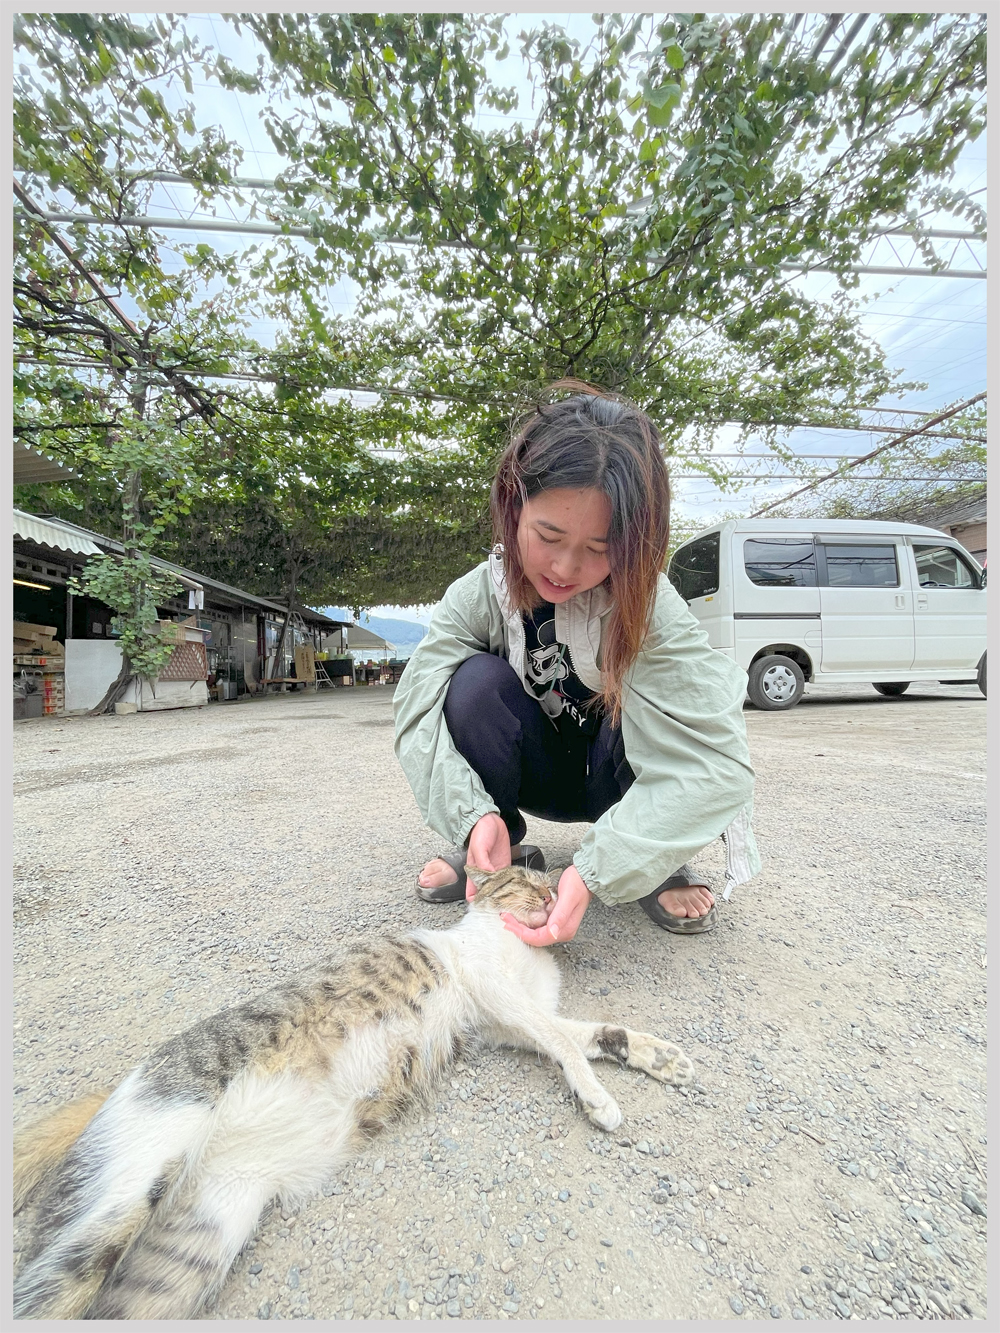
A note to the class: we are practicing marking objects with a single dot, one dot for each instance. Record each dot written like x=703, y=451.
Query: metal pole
x=277, y=229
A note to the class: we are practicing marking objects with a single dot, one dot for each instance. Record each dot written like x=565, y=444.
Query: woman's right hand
x=489, y=848
x=572, y=900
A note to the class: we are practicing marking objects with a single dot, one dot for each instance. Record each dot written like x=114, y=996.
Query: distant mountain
x=404, y=634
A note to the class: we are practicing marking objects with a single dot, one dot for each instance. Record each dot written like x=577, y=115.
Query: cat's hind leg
x=273, y=1136
x=183, y=1256
x=103, y=1194
x=638, y=1050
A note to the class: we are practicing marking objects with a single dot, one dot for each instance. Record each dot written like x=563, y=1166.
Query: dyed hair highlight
x=599, y=441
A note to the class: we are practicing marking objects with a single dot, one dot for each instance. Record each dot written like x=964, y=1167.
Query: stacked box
x=53, y=692
x=36, y=648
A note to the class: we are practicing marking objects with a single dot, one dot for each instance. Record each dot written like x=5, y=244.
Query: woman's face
x=562, y=537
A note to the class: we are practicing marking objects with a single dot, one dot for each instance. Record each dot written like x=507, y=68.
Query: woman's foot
x=437, y=873
x=681, y=904
x=694, y=901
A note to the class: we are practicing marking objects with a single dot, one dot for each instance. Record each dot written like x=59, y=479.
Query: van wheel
x=775, y=682
x=891, y=688
x=981, y=676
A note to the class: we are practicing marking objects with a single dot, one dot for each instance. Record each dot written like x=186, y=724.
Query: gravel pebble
x=972, y=1203
x=502, y=1179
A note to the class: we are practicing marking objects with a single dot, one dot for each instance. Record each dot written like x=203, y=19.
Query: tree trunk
x=130, y=519
x=292, y=586
x=115, y=690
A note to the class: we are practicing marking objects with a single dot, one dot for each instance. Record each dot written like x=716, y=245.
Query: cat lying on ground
x=148, y=1195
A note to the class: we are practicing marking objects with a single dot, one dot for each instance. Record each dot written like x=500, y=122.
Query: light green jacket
x=682, y=725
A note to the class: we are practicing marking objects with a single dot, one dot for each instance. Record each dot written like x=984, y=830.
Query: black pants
x=523, y=761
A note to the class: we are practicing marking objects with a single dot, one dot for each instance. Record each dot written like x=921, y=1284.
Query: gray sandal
x=454, y=891
x=679, y=925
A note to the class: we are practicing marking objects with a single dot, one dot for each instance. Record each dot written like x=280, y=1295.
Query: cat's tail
x=113, y=1170
x=273, y=1136
x=182, y=1257
x=40, y=1148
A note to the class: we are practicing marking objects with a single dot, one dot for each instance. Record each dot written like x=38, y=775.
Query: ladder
x=296, y=623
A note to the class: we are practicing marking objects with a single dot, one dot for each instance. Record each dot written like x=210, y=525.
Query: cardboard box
x=305, y=662
x=185, y=631
x=24, y=630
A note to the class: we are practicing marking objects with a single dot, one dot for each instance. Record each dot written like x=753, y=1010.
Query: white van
x=836, y=602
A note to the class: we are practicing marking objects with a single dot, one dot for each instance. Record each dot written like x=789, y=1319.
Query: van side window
x=694, y=569
x=780, y=562
x=942, y=567
x=861, y=566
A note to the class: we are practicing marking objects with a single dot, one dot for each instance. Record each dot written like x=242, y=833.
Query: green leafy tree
x=637, y=234
x=132, y=588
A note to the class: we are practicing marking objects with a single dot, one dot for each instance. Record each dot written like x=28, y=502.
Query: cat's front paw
x=659, y=1059
x=606, y=1114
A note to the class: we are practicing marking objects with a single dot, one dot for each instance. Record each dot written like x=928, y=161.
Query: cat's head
x=526, y=894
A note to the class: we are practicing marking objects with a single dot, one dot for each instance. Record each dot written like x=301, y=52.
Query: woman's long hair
x=599, y=441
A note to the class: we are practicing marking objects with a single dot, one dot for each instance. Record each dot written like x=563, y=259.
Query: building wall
x=973, y=538
x=91, y=666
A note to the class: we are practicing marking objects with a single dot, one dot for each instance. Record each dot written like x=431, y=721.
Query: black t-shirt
x=549, y=671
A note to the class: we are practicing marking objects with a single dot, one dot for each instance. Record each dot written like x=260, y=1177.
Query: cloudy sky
x=933, y=329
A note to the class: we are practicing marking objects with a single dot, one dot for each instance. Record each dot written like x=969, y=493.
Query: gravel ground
x=828, y=1160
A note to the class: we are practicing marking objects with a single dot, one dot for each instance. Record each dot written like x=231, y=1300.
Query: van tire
x=891, y=688
x=981, y=676
x=775, y=682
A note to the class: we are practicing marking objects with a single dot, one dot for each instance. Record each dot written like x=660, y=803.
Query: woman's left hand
x=572, y=900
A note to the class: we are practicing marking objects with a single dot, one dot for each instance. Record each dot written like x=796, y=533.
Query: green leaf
x=660, y=117
x=667, y=94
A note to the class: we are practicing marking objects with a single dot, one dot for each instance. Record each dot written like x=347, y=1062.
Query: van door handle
x=922, y=600
x=901, y=599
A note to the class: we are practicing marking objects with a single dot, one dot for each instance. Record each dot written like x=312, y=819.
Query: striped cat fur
x=146, y=1196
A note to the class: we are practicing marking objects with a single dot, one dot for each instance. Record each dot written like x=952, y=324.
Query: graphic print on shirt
x=549, y=672
x=546, y=664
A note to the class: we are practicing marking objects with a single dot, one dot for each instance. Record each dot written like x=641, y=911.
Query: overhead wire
x=892, y=444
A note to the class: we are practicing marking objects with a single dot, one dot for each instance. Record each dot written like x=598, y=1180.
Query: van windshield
x=780, y=562
x=694, y=569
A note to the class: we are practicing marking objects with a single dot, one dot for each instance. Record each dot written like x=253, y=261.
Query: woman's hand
x=572, y=900
x=489, y=848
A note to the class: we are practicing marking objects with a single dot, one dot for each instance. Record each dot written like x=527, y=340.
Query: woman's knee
x=485, y=702
x=477, y=681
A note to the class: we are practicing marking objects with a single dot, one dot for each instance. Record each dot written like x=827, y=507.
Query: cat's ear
x=553, y=877
x=478, y=877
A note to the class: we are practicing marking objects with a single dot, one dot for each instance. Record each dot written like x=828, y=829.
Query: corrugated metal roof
x=58, y=536
x=81, y=540
x=31, y=466
x=948, y=514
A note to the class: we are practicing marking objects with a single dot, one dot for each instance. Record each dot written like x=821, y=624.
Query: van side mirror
x=982, y=579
